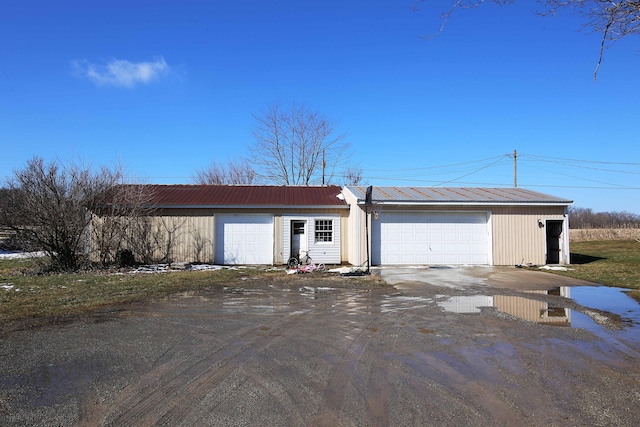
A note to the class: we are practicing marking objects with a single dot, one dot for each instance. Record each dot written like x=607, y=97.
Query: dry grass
x=592, y=234
x=38, y=296
x=25, y=295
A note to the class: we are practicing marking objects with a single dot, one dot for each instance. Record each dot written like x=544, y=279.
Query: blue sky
x=166, y=88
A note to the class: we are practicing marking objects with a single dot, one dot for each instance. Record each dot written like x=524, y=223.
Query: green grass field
x=608, y=262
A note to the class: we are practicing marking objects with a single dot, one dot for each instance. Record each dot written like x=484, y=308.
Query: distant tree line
x=580, y=218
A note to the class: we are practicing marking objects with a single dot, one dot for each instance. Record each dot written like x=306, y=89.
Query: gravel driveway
x=317, y=350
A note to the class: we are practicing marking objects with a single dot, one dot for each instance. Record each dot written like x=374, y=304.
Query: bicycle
x=304, y=264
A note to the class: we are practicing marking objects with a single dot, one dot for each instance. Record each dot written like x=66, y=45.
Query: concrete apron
x=463, y=277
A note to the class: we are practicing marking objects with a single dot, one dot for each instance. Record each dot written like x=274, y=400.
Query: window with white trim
x=324, y=230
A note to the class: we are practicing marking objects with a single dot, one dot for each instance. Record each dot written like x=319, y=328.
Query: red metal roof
x=243, y=195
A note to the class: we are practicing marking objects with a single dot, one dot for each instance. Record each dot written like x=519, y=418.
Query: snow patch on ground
x=20, y=255
x=164, y=268
x=555, y=268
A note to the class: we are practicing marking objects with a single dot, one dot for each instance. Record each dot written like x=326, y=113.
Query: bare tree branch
x=613, y=19
x=296, y=146
x=352, y=176
x=48, y=208
x=238, y=172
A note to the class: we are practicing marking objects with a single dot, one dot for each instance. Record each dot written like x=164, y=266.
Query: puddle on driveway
x=594, y=299
x=613, y=300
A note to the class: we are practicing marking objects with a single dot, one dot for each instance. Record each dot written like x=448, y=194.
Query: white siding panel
x=320, y=252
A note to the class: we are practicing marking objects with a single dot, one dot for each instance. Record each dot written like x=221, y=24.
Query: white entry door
x=429, y=238
x=244, y=239
x=298, y=238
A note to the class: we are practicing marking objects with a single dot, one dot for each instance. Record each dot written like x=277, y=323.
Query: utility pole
x=324, y=165
x=515, y=169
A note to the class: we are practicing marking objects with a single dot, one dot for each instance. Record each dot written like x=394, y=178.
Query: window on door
x=298, y=227
x=324, y=230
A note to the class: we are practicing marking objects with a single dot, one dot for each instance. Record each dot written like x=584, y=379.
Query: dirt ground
x=318, y=350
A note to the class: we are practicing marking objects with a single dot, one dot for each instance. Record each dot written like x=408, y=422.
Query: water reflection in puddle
x=613, y=300
x=398, y=303
x=549, y=307
x=600, y=298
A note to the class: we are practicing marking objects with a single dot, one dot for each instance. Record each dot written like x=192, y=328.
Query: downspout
x=357, y=260
x=566, y=256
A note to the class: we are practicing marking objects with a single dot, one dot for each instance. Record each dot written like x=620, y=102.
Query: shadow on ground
x=584, y=259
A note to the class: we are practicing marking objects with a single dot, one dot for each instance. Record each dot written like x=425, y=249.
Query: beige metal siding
x=531, y=309
x=354, y=235
x=344, y=238
x=169, y=238
x=517, y=237
x=194, y=235
x=277, y=240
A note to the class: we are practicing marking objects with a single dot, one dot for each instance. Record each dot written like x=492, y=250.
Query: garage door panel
x=436, y=259
x=449, y=248
x=244, y=239
x=430, y=238
x=407, y=237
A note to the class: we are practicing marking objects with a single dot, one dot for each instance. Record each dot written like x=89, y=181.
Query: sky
x=164, y=88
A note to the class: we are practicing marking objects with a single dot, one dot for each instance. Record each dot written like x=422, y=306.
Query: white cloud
x=122, y=73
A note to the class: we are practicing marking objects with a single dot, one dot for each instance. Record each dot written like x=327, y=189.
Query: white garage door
x=244, y=239
x=429, y=238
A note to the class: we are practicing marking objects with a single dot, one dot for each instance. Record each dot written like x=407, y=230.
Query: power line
x=580, y=178
x=579, y=160
x=436, y=166
x=471, y=173
x=580, y=187
x=572, y=164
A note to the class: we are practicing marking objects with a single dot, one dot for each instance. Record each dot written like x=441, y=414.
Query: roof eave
x=474, y=203
x=250, y=206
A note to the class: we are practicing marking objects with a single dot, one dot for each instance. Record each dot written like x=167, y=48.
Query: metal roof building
x=240, y=224
x=243, y=196
x=438, y=195
x=457, y=226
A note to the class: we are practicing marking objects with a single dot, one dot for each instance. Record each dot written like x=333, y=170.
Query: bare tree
x=238, y=172
x=48, y=208
x=199, y=245
x=613, y=19
x=115, y=219
x=296, y=146
x=168, y=231
x=353, y=176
